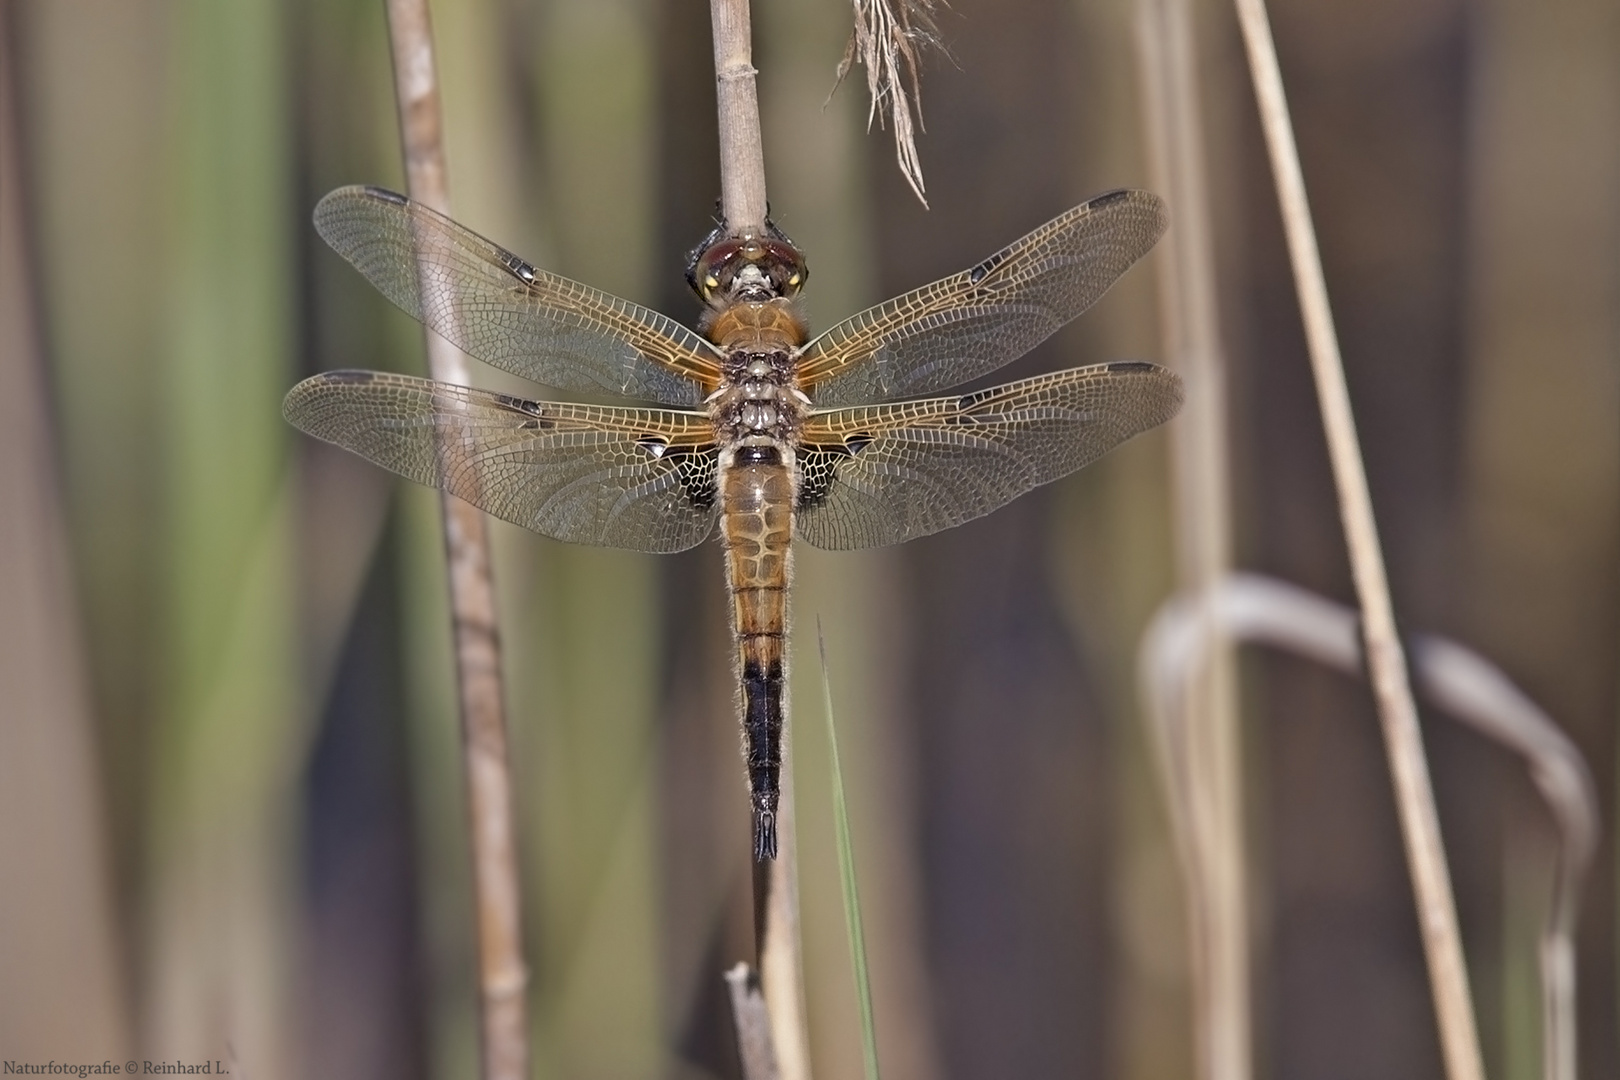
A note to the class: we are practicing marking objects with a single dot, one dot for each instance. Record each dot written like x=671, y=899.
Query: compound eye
x=787, y=265
x=712, y=267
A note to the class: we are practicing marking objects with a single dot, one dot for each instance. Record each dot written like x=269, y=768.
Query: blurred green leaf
x=846, y=875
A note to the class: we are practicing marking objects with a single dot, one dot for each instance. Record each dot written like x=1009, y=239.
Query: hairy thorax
x=758, y=402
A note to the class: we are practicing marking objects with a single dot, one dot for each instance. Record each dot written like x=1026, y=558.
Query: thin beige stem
x=61, y=982
x=756, y=1048
x=1215, y=851
x=1414, y=795
x=502, y=974
x=776, y=918
x=776, y=881
x=753, y=1025
x=742, y=149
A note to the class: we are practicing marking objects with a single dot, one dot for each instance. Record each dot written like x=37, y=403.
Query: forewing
x=642, y=479
x=497, y=307
x=974, y=322
x=883, y=474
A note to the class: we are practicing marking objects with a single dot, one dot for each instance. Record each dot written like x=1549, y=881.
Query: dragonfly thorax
x=758, y=397
x=756, y=327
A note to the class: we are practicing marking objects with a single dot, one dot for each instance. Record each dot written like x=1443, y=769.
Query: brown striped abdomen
x=756, y=526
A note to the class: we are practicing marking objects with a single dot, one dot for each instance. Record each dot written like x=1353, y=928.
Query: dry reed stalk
x=776, y=881
x=1470, y=687
x=753, y=1023
x=1409, y=770
x=1212, y=843
x=742, y=147
x=502, y=974
x=777, y=935
x=62, y=981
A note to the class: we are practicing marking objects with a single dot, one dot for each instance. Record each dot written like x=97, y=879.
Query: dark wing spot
x=517, y=267
x=517, y=404
x=386, y=196
x=1108, y=198
x=1122, y=367
x=532, y=409
x=349, y=378
x=977, y=274
x=854, y=444
x=653, y=444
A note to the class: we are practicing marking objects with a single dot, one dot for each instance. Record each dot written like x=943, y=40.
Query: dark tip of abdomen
x=764, y=834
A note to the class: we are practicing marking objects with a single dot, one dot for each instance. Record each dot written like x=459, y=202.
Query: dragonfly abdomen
x=756, y=526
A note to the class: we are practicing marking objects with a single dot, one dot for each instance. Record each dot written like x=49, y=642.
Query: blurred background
x=231, y=815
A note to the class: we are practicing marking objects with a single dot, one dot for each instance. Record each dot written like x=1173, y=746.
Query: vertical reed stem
x=742, y=149
x=1213, y=842
x=753, y=1023
x=502, y=973
x=1414, y=795
x=776, y=881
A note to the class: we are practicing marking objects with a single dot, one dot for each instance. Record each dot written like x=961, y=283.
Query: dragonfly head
x=752, y=268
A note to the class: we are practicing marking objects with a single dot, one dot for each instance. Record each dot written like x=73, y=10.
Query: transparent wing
x=507, y=313
x=968, y=325
x=883, y=474
x=642, y=479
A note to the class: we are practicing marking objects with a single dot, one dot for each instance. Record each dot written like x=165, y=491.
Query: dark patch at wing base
x=818, y=467
x=698, y=470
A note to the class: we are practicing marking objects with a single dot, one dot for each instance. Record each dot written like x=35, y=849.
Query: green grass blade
x=846, y=877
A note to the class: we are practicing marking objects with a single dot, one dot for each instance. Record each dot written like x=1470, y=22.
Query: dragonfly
x=751, y=424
